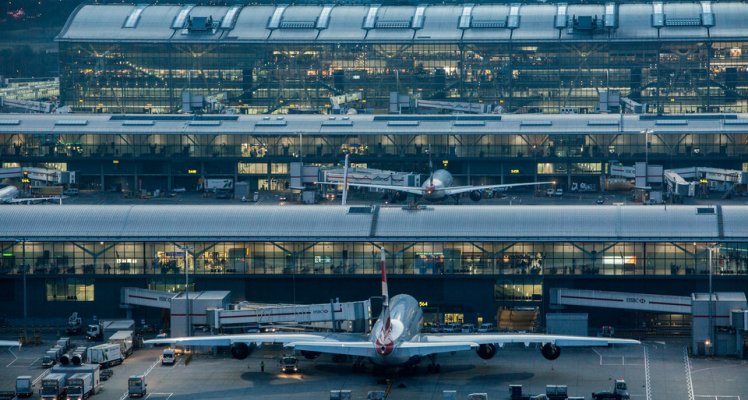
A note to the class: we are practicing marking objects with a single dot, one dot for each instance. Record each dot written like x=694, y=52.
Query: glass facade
x=668, y=76
x=526, y=259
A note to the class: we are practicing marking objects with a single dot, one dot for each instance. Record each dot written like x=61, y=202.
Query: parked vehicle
x=50, y=358
x=80, y=386
x=136, y=386
x=468, y=328
x=620, y=392
x=53, y=387
x=24, y=387
x=106, y=355
x=125, y=340
x=168, y=357
x=486, y=327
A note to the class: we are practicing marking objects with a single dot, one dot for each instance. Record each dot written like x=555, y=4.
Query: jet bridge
x=248, y=314
x=621, y=300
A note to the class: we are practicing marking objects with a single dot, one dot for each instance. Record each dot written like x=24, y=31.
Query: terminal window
x=70, y=289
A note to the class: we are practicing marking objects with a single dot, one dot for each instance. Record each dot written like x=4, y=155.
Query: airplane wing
x=463, y=189
x=258, y=338
x=32, y=199
x=407, y=189
x=4, y=343
x=524, y=338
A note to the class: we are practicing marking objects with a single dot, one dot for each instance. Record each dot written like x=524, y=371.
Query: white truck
x=125, y=340
x=105, y=329
x=80, y=386
x=106, y=355
x=53, y=387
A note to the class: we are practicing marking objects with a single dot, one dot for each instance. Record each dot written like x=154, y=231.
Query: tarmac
x=657, y=370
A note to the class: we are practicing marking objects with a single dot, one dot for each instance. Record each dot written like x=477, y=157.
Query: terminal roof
x=468, y=23
x=326, y=125
x=340, y=223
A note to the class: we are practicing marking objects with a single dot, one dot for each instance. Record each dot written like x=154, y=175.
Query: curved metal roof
x=339, y=223
x=469, y=23
x=368, y=124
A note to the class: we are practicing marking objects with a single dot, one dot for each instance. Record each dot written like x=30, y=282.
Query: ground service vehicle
x=136, y=386
x=49, y=359
x=105, y=329
x=24, y=388
x=125, y=340
x=106, y=355
x=53, y=387
x=620, y=392
x=75, y=324
x=80, y=386
x=168, y=357
x=289, y=364
x=486, y=327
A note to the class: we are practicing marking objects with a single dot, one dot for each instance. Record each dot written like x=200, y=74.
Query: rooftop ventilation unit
x=586, y=23
x=298, y=24
x=393, y=24
x=488, y=24
x=200, y=24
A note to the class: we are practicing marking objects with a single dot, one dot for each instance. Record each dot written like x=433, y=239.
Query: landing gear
x=433, y=367
x=359, y=366
x=456, y=198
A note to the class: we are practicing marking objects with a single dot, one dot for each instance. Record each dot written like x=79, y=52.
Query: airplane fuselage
x=8, y=193
x=435, y=185
x=405, y=323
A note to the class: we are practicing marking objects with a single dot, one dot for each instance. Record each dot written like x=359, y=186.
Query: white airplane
x=9, y=343
x=439, y=186
x=9, y=195
x=436, y=188
x=395, y=340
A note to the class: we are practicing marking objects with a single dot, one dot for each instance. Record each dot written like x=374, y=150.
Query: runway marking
x=34, y=361
x=647, y=383
x=40, y=377
x=689, y=380
x=717, y=397
x=168, y=395
x=148, y=371
x=14, y=357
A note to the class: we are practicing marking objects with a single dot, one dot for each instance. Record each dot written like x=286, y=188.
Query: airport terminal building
x=463, y=263
x=135, y=152
x=672, y=57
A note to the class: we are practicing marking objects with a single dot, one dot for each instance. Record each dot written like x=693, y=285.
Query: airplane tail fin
x=385, y=292
x=431, y=168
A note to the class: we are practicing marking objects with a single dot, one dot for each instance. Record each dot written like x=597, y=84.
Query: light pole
x=23, y=267
x=711, y=249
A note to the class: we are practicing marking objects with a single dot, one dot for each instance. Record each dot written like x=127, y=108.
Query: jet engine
x=310, y=355
x=240, y=351
x=65, y=359
x=476, y=195
x=486, y=351
x=550, y=351
x=76, y=359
